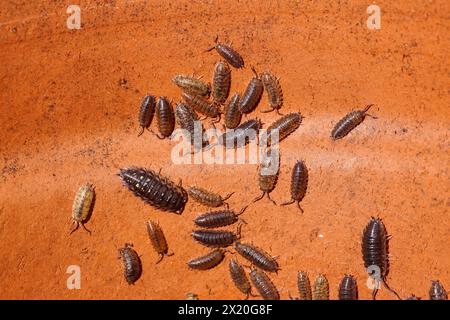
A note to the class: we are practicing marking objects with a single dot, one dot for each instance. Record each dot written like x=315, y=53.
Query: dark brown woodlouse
x=349, y=122
x=207, y=261
x=216, y=219
x=131, y=263
x=192, y=85
x=264, y=285
x=146, y=112
x=437, y=291
x=257, y=256
x=268, y=176
x=158, y=240
x=274, y=92
x=240, y=136
x=208, y=198
x=154, y=189
x=252, y=94
x=216, y=238
x=228, y=53
x=187, y=119
x=165, y=118
x=348, y=289
x=239, y=278
x=232, y=114
x=375, y=253
x=299, y=184
x=82, y=206
x=284, y=126
x=321, y=290
x=304, y=286
x=221, y=82
x=203, y=106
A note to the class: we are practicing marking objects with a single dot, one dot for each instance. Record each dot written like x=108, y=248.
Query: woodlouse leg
x=391, y=290
x=141, y=132
x=160, y=137
x=278, y=112
x=84, y=227
x=203, y=118
x=238, y=231
x=254, y=71
x=371, y=116
x=268, y=197
x=77, y=225
x=161, y=256
x=298, y=205
x=268, y=110
x=288, y=202
x=374, y=293
x=170, y=254
x=259, y=198
x=180, y=182
x=368, y=107
x=227, y=196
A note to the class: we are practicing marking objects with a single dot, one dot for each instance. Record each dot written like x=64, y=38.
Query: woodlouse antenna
x=368, y=107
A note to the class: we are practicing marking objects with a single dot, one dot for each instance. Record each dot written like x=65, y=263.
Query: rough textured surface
x=70, y=99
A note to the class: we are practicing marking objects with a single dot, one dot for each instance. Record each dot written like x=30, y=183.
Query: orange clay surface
x=69, y=104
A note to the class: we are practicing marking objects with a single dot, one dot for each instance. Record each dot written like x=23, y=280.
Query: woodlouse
x=304, y=286
x=216, y=219
x=82, y=206
x=228, y=53
x=131, y=263
x=188, y=120
x=165, y=117
x=268, y=176
x=321, y=290
x=232, y=114
x=413, y=297
x=437, y=291
x=192, y=85
x=239, y=278
x=216, y=238
x=375, y=253
x=274, y=92
x=349, y=122
x=146, y=112
x=257, y=256
x=158, y=240
x=252, y=94
x=241, y=136
x=284, y=126
x=264, y=285
x=348, y=289
x=154, y=189
x=299, y=184
x=201, y=105
x=208, y=261
x=208, y=198
x=221, y=82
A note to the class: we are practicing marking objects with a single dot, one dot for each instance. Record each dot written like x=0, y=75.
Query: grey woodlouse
x=274, y=92
x=239, y=278
x=131, y=263
x=267, y=179
x=146, y=112
x=208, y=198
x=154, y=189
x=232, y=114
x=216, y=238
x=192, y=85
x=203, y=106
x=216, y=219
x=284, y=126
x=158, y=240
x=348, y=289
x=252, y=95
x=241, y=136
x=321, y=290
x=299, y=184
x=228, y=53
x=208, y=261
x=413, y=297
x=257, y=256
x=349, y=122
x=375, y=253
x=221, y=82
x=437, y=291
x=82, y=206
x=264, y=285
x=187, y=119
x=165, y=117
x=304, y=286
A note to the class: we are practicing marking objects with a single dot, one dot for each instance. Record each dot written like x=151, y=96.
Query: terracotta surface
x=69, y=102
